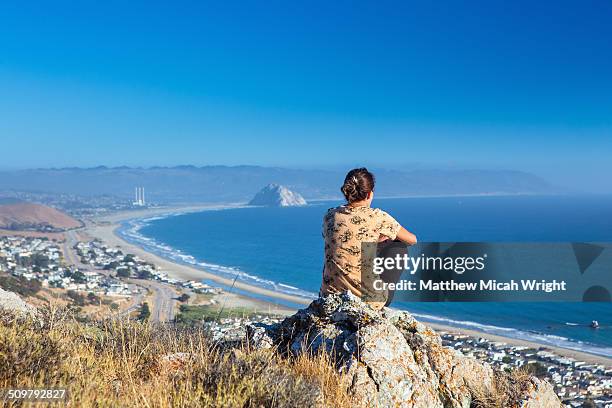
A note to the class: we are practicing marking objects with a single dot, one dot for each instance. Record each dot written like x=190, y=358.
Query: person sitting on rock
x=352, y=233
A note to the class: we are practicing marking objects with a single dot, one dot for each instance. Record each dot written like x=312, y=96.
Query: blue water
x=281, y=248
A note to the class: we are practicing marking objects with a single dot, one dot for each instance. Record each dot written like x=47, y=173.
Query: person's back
x=345, y=231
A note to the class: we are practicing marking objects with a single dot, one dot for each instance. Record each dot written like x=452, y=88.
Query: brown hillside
x=30, y=216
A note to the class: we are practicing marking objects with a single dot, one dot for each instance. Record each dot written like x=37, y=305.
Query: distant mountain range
x=183, y=184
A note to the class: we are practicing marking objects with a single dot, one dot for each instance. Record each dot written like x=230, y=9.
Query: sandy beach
x=105, y=227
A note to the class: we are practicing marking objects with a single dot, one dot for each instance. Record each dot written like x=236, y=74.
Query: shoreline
x=105, y=228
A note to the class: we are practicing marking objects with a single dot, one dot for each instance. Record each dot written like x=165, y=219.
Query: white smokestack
x=139, y=196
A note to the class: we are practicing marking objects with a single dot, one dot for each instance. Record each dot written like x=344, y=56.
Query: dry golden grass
x=508, y=389
x=130, y=364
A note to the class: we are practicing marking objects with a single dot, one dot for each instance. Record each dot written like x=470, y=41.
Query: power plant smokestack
x=139, y=197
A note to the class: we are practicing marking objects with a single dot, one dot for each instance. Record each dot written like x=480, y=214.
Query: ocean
x=282, y=249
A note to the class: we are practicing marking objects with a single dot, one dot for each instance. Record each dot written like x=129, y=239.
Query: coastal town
x=97, y=271
x=42, y=260
x=100, y=256
x=576, y=382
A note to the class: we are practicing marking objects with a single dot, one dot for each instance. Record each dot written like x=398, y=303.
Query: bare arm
x=406, y=236
x=389, y=224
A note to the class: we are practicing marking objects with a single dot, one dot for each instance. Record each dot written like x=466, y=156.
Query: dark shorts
x=391, y=249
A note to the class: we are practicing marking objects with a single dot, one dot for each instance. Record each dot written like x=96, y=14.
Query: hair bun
x=358, y=183
x=350, y=191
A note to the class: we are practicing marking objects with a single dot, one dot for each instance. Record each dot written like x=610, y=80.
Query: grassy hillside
x=130, y=364
x=24, y=215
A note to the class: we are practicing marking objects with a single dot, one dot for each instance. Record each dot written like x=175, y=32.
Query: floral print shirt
x=345, y=229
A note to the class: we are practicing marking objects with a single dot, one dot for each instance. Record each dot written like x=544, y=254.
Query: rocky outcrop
x=539, y=394
x=393, y=360
x=274, y=195
x=11, y=301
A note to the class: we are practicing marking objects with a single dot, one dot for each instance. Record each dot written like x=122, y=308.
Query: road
x=135, y=302
x=164, y=300
x=70, y=255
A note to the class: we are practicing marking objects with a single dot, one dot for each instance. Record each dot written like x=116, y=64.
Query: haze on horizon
x=401, y=85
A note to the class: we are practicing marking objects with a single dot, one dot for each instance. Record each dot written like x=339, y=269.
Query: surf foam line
x=535, y=337
x=129, y=230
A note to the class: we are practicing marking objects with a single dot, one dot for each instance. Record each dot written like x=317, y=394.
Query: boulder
x=11, y=301
x=174, y=362
x=540, y=394
x=391, y=358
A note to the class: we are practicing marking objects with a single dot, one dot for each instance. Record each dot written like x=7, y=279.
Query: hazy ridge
x=240, y=183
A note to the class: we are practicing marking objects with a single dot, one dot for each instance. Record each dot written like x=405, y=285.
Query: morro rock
x=274, y=195
x=392, y=360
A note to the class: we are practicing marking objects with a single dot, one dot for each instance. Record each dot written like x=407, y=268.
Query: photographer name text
x=493, y=285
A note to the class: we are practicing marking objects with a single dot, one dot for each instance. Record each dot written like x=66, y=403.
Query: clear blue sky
x=516, y=84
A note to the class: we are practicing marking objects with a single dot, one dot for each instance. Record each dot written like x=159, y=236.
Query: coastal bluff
x=275, y=195
x=392, y=360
